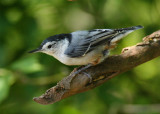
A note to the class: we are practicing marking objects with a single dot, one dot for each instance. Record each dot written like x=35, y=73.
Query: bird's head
x=50, y=45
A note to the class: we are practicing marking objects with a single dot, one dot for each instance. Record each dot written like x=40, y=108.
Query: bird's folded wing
x=86, y=42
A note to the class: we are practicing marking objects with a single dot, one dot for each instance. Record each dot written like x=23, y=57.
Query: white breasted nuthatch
x=83, y=47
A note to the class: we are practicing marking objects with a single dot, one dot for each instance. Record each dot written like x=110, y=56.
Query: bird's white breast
x=83, y=60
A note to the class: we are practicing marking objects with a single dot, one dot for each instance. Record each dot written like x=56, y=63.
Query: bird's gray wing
x=85, y=41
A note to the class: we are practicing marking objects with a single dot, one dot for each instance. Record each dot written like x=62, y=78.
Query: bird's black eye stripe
x=49, y=46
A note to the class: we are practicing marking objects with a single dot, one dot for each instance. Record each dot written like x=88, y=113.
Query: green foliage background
x=25, y=23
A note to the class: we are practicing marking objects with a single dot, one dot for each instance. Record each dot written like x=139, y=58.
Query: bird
x=85, y=47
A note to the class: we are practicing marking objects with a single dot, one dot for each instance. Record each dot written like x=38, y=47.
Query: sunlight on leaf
x=27, y=65
x=147, y=70
x=6, y=79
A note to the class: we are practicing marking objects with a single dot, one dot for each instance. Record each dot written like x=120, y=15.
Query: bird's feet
x=89, y=76
x=81, y=70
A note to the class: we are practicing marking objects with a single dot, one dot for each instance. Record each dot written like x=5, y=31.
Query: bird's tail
x=124, y=31
x=132, y=28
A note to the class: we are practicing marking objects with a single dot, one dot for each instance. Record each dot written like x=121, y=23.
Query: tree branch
x=112, y=66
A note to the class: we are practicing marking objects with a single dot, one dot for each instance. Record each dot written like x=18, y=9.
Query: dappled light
x=24, y=24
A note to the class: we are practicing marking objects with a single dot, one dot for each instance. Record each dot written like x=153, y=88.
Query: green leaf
x=27, y=65
x=6, y=79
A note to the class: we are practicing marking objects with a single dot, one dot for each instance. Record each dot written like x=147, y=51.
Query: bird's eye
x=49, y=46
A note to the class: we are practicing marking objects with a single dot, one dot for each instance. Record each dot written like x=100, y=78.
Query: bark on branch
x=112, y=66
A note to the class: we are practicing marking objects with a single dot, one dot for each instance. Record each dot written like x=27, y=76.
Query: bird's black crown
x=58, y=37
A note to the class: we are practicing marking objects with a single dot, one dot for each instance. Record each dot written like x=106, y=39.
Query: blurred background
x=24, y=24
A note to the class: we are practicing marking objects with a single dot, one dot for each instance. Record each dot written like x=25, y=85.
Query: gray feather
x=85, y=41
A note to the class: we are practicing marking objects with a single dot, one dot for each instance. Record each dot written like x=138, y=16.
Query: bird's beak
x=35, y=50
